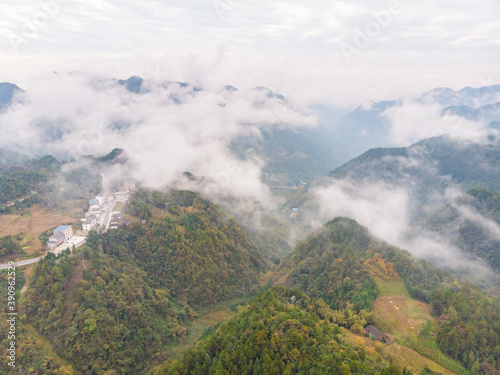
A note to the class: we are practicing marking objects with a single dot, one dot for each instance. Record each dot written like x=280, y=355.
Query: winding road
x=21, y=263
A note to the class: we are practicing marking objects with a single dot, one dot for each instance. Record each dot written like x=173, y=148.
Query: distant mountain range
x=470, y=165
x=293, y=157
x=366, y=127
x=7, y=92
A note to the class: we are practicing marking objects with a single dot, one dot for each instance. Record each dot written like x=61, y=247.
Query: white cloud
x=380, y=207
x=165, y=132
x=412, y=121
x=388, y=211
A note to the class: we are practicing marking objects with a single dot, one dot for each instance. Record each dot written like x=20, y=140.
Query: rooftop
x=56, y=237
x=62, y=228
x=377, y=334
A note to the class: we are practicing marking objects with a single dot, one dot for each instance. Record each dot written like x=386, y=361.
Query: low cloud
x=412, y=121
x=382, y=208
x=168, y=129
x=397, y=209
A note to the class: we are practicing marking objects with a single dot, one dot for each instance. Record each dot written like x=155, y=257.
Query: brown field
x=32, y=224
x=400, y=316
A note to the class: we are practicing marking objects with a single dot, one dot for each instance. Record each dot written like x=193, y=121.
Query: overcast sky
x=311, y=51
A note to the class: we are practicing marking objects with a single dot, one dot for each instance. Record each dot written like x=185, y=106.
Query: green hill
x=471, y=165
x=130, y=294
x=343, y=264
x=432, y=172
x=281, y=331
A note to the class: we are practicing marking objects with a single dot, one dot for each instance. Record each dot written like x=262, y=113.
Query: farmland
x=28, y=226
x=413, y=361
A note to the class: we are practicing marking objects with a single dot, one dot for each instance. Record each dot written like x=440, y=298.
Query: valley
x=409, y=324
x=281, y=260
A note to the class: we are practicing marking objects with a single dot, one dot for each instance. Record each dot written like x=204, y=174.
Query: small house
x=89, y=222
x=375, y=333
x=118, y=220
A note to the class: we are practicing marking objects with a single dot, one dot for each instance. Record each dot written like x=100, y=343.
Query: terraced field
x=398, y=315
x=413, y=361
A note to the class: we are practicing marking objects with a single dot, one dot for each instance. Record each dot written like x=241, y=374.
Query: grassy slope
x=402, y=318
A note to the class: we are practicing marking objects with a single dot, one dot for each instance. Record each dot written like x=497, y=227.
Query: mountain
x=470, y=96
x=435, y=174
x=423, y=320
x=470, y=165
x=291, y=157
x=281, y=331
x=130, y=294
x=489, y=113
x=8, y=157
x=7, y=92
x=54, y=181
x=282, y=136
x=472, y=222
x=367, y=127
x=220, y=259
x=332, y=263
x=133, y=84
x=362, y=129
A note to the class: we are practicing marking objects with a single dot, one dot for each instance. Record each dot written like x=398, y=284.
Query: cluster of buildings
x=101, y=206
x=99, y=214
x=93, y=215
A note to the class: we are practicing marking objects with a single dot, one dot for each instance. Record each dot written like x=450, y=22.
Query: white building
x=94, y=205
x=100, y=199
x=66, y=230
x=89, y=222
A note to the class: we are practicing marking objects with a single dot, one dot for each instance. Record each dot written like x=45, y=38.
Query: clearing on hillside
x=387, y=285
x=400, y=316
x=32, y=225
x=404, y=357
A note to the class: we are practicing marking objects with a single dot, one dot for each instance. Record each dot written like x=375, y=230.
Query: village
x=100, y=216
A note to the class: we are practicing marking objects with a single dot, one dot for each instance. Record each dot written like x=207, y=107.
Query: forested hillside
x=129, y=294
x=471, y=165
x=52, y=180
x=94, y=306
x=487, y=202
x=335, y=262
x=18, y=180
x=197, y=251
x=435, y=175
x=281, y=331
x=327, y=265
